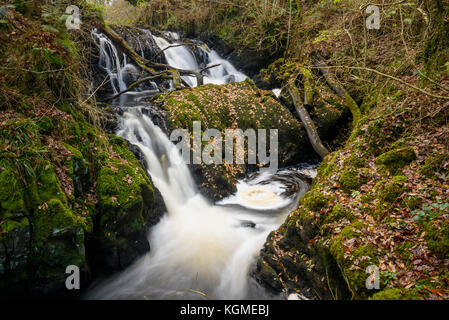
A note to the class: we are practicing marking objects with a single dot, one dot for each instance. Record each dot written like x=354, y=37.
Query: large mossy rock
x=235, y=105
x=83, y=201
x=40, y=234
x=125, y=202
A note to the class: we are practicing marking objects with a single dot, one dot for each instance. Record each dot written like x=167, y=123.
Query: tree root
x=340, y=90
x=310, y=127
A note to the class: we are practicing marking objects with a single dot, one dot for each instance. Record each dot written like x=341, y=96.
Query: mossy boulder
x=58, y=241
x=44, y=226
x=437, y=237
x=235, y=105
x=353, y=257
x=396, y=294
x=392, y=191
x=315, y=201
x=396, y=159
x=125, y=201
x=41, y=235
x=267, y=275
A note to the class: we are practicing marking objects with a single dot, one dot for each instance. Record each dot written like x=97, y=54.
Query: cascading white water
x=182, y=57
x=120, y=72
x=196, y=245
x=110, y=61
x=197, y=248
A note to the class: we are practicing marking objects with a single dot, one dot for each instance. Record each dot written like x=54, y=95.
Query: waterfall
x=110, y=62
x=198, y=249
x=119, y=71
x=182, y=57
x=179, y=57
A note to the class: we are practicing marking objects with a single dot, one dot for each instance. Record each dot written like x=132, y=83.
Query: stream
x=199, y=250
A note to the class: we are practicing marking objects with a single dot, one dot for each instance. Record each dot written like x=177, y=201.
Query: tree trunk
x=340, y=90
x=307, y=121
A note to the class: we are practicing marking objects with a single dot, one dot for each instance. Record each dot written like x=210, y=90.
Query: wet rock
x=126, y=199
x=247, y=224
x=159, y=207
x=248, y=61
x=235, y=105
x=40, y=235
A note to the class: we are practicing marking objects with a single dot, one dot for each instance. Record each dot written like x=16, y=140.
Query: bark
x=310, y=127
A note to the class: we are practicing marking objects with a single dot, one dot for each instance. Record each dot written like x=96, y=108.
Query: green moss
x=58, y=241
x=45, y=125
x=432, y=165
x=48, y=185
x=11, y=194
x=314, y=201
x=378, y=134
x=436, y=52
x=398, y=144
x=54, y=218
x=339, y=212
x=404, y=249
x=356, y=161
x=327, y=166
x=396, y=294
x=396, y=159
x=437, y=238
x=414, y=202
x=392, y=191
x=9, y=225
x=350, y=180
x=349, y=232
x=123, y=189
x=78, y=170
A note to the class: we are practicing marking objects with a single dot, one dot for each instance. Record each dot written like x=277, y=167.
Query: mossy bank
x=70, y=194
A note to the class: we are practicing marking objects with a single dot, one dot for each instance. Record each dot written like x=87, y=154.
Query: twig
x=134, y=84
x=197, y=292
x=166, y=48
x=32, y=71
x=363, y=6
x=385, y=75
x=95, y=91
